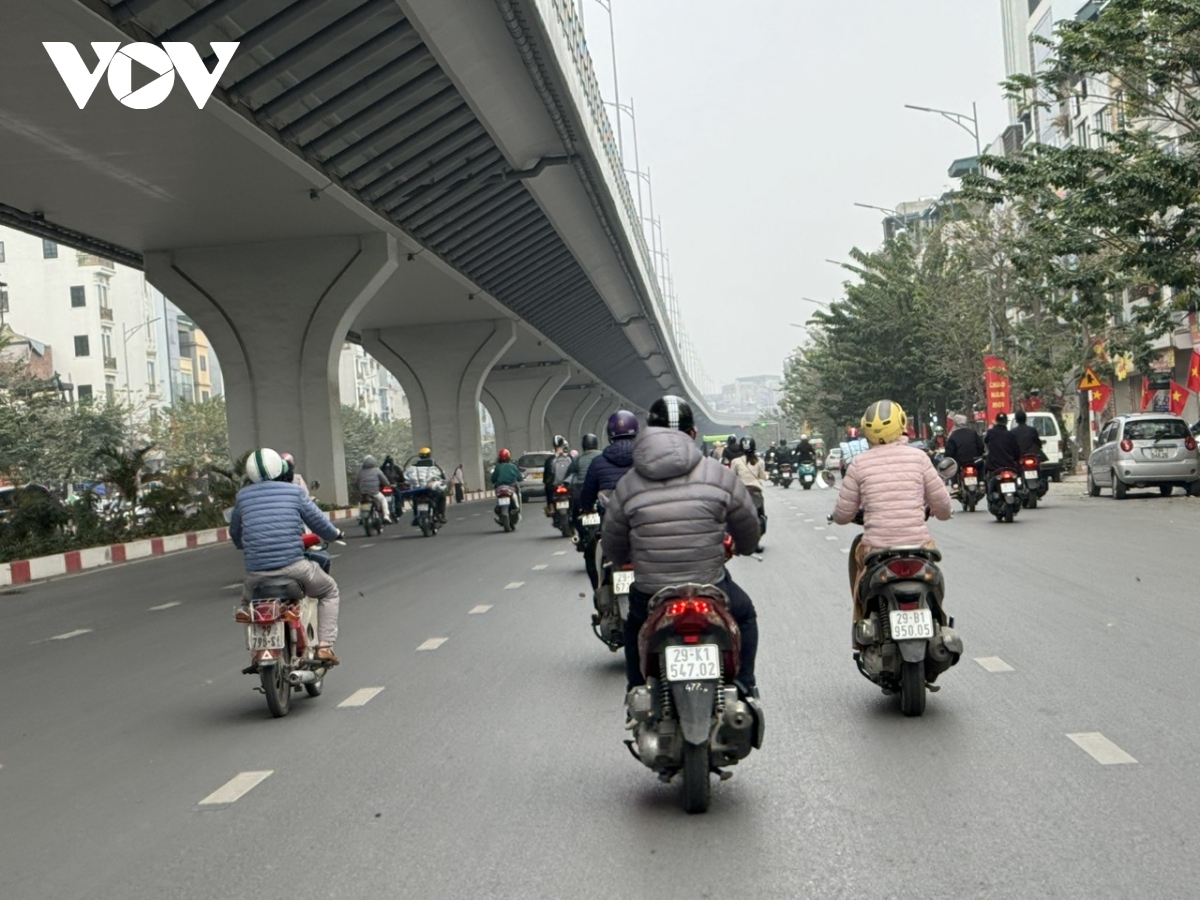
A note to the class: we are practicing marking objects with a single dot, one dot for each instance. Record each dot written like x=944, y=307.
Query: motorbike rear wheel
x=697, y=787
x=1008, y=513
x=275, y=685
x=912, y=688
x=426, y=527
x=506, y=521
x=1032, y=502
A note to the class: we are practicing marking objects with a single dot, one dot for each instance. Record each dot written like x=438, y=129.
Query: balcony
x=106, y=313
x=110, y=364
x=91, y=259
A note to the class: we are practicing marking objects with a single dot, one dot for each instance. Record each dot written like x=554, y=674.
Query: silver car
x=1143, y=449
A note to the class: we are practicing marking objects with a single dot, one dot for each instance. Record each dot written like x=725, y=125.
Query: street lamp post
x=959, y=119
x=126, y=334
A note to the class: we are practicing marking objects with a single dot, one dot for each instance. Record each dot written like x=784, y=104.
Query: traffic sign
x=1089, y=380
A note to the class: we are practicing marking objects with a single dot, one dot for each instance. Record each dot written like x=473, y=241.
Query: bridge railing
x=565, y=28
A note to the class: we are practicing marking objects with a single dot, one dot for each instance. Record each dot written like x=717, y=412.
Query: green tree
x=192, y=436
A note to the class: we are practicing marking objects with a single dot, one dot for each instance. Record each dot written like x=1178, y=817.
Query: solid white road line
x=433, y=643
x=236, y=788
x=166, y=605
x=361, y=697
x=70, y=634
x=479, y=610
x=539, y=568
x=994, y=664
x=513, y=585
x=1101, y=749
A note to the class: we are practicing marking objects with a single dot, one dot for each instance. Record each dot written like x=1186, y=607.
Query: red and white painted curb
x=22, y=571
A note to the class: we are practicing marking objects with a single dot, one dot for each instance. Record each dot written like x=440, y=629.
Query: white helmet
x=804, y=437
x=264, y=465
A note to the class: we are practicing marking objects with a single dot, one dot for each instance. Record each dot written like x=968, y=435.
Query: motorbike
x=691, y=716
x=906, y=640
x=1003, y=495
x=806, y=474
x=587, y=533
x=785, y=474
x=508, y=506
x=369, y=516
x=773, y=474
x=281, y=635
x=611, y=600
x=561, y=501
x=1033, y=486
x=756, y=495
x=969, y=485
x=426, y=499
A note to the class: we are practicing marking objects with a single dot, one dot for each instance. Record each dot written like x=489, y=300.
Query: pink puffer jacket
x=892, y=484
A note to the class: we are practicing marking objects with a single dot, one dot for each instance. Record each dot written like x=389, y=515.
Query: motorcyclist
x=269, y=516
x=669, y=516
x=371, y=482
x=606, y=470
x=1003, y=451
x=732, y=449
x=555, y=470
x=805, y=452
x=396, y=477
x=750, y=469
x=423, y=470
x=769, y=455
x=784, y=454
x=292, y=475
x=852, y=447
x=576, y=473
x=964, y=445
x=506, y=472
x=892, y=483
x=1029, y=442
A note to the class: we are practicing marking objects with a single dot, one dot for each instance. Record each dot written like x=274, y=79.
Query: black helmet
x=591, y=442
x=671, y=412
x=731, y=439
x=782, y=444
x=748, y=445
x=1020, y=417
x=622, y=424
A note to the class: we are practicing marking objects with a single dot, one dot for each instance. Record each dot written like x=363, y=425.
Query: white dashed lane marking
x=560, y=552
x=539, y=567
x=513, y=585
x=1101, y=749
x=167, y=605
x=433, y=643
x=479, y=610
x=994, y=664
x=361, y=697
x=365, y=546
x=831, y=537
x=230, y=587
x=844, y=549
x=808, y=521
x=70, y=634
x=818, y=528
x=236, y=788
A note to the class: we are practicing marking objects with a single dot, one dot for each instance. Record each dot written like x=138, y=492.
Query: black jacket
x=605, y=471
x=964, y=445
x=1028, y=440
x=804, y=452
x=1002, y=449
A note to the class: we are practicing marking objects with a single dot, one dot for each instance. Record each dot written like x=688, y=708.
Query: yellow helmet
x=884, y=421
x=425, y=453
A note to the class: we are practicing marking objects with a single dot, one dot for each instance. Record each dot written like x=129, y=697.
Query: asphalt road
x=492, y=766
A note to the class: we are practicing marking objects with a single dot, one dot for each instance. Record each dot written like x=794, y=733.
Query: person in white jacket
x=750, y=469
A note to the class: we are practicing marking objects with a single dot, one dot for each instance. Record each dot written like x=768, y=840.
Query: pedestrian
x=457, y=480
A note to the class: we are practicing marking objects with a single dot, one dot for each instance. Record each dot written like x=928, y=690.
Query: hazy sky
x=763, y=121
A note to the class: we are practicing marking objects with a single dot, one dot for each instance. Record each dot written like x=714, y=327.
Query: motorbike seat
x=878, y=557
x=278, y=589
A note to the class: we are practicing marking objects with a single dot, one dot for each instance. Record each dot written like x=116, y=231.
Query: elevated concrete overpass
x=435, y=175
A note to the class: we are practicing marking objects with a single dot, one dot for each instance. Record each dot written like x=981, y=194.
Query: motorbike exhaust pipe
x=301, y=676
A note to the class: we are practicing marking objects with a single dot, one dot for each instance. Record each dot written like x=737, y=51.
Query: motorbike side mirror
x=316, y=485
x=947, y=468
x=828, y=477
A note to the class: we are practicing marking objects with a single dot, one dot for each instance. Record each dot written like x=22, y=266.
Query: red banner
x=996, y=386
x=1179, y=396
x=1100, y=397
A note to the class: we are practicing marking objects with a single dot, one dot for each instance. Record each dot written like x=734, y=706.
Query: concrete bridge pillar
x=584, y=413
x=597, y=417
x=566, y=414
x=277, y=315
x=442, y=370
x=518, y=399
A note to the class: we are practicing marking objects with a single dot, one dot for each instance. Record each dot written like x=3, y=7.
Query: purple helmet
x=622, y=424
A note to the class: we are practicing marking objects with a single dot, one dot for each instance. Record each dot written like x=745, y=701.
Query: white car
x=1048, y=428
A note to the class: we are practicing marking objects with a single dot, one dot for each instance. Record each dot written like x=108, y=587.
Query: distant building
x=367, y=386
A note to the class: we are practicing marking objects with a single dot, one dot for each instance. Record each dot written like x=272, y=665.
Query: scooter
x=1003, y=495
x=785, y=474
x=508, y=507
x=1033, y=486
x=281, y=635
x=560, y=499
x=806, y=475
x=369, y=516
x=425, y=503
x=969, y=485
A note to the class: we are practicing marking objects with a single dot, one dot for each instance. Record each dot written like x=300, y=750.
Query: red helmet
x=504, y=455
x=852, y=432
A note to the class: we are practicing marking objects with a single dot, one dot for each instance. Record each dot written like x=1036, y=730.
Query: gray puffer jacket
x=671, y=510
x=371, y=480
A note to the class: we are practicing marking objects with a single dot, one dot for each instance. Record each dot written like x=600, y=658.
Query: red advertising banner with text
x=996, y=386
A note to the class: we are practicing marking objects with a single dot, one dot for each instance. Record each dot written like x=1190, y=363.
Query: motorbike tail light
x=679, y=607
x=1030, y=462
x=905, y=568
x=1007, y=475
x=1189, y=443
x=387, y=489
x=628, y=567
x=689, y=617
x=560, y=489
x=1127, y=445
x=265, y=612
x=968, y=470
x=908, y=604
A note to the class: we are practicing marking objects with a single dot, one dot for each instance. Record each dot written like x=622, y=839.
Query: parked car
x=532, y=464
x=1052, y=441
x=1142, y=450
x=833, y=461
x=11, y=495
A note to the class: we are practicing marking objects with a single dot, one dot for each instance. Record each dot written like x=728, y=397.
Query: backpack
x=561, y=464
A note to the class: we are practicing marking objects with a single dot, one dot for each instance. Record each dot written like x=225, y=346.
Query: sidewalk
x=23, y=571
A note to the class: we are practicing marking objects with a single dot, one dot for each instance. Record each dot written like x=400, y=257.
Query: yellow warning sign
x=1089, y=380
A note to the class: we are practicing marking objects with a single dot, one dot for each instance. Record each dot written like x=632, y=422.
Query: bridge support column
x=518, y=399
x=277, y=315
x=597, y=417
x=565, y=414
x=584, y=413
x=442, y=370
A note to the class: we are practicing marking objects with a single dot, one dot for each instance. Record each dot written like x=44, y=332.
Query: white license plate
x=808, y=478
x=422, y=507
x=503, y=501
x=699, y=662
x=590, y=519
x=1157, y=453
x=911, y=624
x=622, y=581
x=563, y=504
x=265, y=637
x=1008, y=487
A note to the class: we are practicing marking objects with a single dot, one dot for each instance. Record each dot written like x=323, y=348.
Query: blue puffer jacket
x=268, y=519
x=605, y=471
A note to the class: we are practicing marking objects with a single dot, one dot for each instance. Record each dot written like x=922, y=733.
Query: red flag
x=1179, y=397
x=1193, y=379
x=1147, y=394
x=1100, y=397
